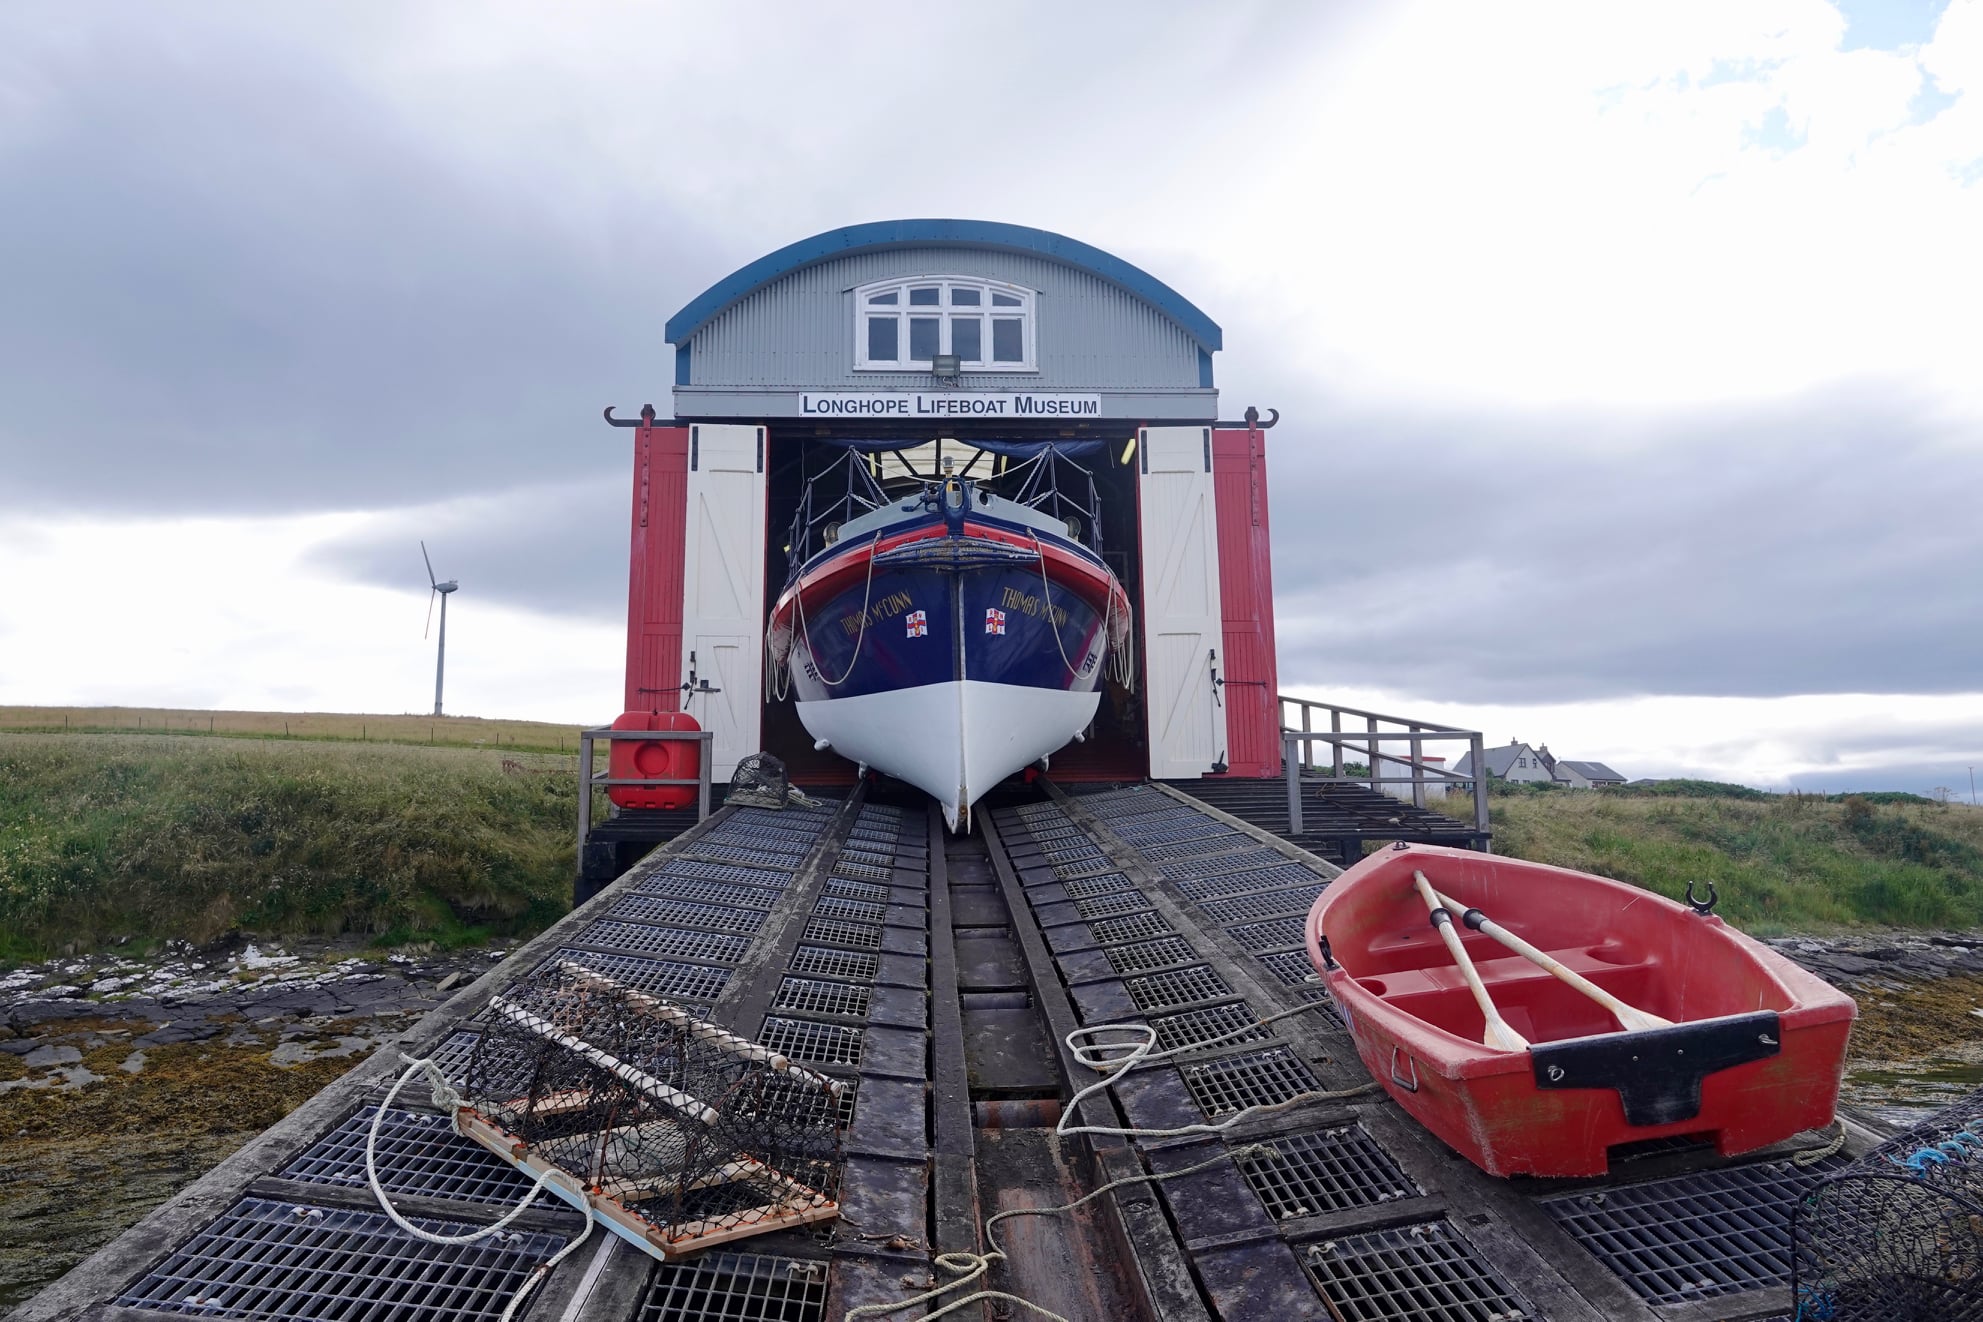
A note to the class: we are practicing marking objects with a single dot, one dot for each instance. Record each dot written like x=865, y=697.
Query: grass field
x=1781, y=862
x=472, y=731
x=104, y=837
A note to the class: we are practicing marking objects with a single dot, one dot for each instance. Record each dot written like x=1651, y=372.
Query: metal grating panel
x=870, y=855
x=1072, y=853
x=1055, y=833
x=681, y=913
x=419, y=1153
x=1291, y=967
x=1158, y=991
x=1267, y=904
x=737, y=1287
x=1237, y=1082
x=1212, y=1024
x=647, y=940
x=816, y=1044
x=1249, y=860
x=1103, y=906
x=751, y=853
x=1108, y=883
x=1694, y=1236
x=1204, y=845
x=771, y=879
x=1081, y=867
x=835, y=963
x=1269, y=935
x=265, y=1259
x=785, y=837
x=811, y=997
x=860, y=911
x=855, y=890
x=451, y=1057
x=863, y=936
x=1422, y=1273
x=1147, y=955
x=710, y=892
x=1240, y=883
x=1130, y=927
x=1325, y=1171
x=692, y=982
x=863, y=871
x=1170, y=835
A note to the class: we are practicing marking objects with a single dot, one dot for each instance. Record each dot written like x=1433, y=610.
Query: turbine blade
x=430, y=563
x=430, y=614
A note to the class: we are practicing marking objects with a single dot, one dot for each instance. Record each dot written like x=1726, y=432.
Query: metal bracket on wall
x=1251, y=420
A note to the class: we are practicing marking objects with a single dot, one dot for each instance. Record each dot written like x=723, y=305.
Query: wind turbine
x=441, y=590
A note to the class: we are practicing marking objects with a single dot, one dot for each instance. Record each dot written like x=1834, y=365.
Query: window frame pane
x=1014, y=304
x=894, y=338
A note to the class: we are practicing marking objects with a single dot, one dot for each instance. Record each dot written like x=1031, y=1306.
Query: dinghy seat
x=1535, y=1003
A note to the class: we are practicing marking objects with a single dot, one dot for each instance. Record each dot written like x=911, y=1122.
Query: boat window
x=944, y=315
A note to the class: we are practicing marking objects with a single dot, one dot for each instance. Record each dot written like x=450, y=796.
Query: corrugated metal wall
x=798, y=332
x=1246, y=590
x=654, y=580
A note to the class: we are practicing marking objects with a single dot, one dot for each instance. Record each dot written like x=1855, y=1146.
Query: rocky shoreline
x=122, y=1078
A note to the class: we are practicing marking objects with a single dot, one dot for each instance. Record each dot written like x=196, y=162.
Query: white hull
x=953, y=740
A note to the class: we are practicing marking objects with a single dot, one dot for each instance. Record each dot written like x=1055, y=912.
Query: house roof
x=1590, y=770
x=1498, y=759
x=852, y=239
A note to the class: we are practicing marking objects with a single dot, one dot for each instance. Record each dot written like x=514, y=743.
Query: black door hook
x=1714, y=898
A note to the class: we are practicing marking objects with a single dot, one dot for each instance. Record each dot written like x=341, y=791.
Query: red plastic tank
x=654, y=759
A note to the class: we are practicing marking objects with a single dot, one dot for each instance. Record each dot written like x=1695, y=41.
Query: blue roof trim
x=942, y=233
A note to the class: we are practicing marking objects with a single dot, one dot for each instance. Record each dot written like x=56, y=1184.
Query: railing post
x=1307, y=748
x=1291, y=770
x=1370, y=754
x=584, y=791
x=1418, y=769
x=1479, y=761
x=1336, y=727
x=706, y=742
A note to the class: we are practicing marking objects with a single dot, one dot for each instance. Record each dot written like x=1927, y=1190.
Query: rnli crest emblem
x=994, y=620
x=919, y=624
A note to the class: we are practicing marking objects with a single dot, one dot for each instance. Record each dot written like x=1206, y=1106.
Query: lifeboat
x=1534, y=1017
x=950, y=636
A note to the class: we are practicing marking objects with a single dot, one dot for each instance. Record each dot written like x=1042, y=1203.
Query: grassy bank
x=360, y=727
x=1781, y=862
x=111, y=836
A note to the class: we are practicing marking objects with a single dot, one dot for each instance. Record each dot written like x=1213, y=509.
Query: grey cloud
x=558, y=550
x=237, y=280
x=1820, y=545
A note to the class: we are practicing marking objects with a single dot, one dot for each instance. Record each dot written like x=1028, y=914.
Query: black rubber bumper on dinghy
x=1657, y=1072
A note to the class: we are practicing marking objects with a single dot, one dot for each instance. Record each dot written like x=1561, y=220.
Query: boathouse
x=970, y=335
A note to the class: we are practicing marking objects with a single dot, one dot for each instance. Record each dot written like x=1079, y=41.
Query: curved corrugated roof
x=742, y=282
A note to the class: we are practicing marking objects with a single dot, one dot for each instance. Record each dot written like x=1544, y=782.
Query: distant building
x=1586, y=775
x=1516, y=761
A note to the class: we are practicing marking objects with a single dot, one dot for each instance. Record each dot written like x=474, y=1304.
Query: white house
x=1516, y=761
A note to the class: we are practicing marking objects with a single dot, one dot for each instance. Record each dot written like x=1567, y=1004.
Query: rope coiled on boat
x=805, y=631
x=447, y=1097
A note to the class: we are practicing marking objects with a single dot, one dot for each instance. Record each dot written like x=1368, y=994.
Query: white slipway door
x=1182, y=620
x=723, y=591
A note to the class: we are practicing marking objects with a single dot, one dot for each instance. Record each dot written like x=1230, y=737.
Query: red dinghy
x=1752, y=1055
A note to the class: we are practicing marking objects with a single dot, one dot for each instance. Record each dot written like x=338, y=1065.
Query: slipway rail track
x=941, y=978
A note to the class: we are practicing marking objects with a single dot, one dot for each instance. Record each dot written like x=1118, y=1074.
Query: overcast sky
x=1628, y=356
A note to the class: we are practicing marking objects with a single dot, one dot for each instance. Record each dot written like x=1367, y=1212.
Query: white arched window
x=901, y=325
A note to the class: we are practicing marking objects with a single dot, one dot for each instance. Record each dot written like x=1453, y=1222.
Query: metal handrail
x=1297, y=745
x=588, y=778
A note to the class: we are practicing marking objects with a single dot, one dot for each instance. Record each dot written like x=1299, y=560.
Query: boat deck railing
x=1394, y=750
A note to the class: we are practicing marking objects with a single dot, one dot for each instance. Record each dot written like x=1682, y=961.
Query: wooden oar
x=1498, y=1033
x=1630, y=1018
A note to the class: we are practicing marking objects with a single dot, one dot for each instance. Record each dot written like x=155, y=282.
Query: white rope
x=1812, y=1156
x=1046, y=590
x=972, y=1266
x=805, y=631
x=1115, y=1059
x=446, y=1097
